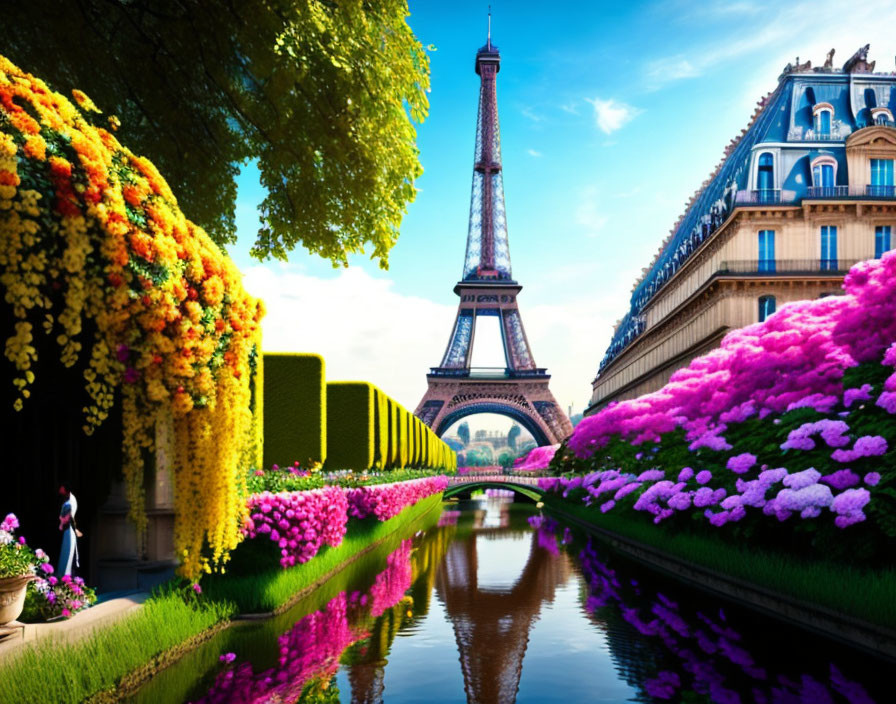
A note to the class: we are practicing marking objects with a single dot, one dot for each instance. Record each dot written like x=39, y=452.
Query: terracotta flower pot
x=12, y=597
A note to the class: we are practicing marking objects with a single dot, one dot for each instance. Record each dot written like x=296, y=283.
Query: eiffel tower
x=520, y=389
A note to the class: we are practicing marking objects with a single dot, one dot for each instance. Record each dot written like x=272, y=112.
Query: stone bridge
x=525, y=484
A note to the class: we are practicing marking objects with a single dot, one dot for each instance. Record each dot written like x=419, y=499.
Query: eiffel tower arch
x=520, y=389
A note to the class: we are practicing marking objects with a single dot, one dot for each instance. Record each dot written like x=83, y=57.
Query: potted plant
x=17, y=566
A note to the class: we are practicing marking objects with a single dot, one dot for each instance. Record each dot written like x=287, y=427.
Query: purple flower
x=46, y=568
x=123, y=353
x=704, y=476
x=10, y=523
x=227, y=657
x=872, y=478
x=607, y=506
x=651, y=475
x=887, y=401
x=800, y=480
x=739, y=464
x=131, y=375
x=842, y=479
x=685, y=474
x=850, y=396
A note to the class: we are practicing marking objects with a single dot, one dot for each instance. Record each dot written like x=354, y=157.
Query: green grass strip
x=60, y=671
x=55, y=670
x=267, y=590
x=869, y=595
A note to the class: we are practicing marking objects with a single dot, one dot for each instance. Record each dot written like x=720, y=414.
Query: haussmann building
x=805, y=192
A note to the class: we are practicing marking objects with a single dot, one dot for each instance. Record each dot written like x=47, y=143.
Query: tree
x=506, y=458
x=463, y=432
x=512, y=436
x=323, y=94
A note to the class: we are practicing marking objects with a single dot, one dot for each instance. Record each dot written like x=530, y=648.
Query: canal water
x=490, y=602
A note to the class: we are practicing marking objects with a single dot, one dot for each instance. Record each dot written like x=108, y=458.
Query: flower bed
x=786, y=430
x=301, y=522
x=387, y=500
x=538, y=458
x=47, y=596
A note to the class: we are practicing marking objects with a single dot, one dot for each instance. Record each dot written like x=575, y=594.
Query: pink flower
x=196, y=588
x=66, y=613
x=227, y=657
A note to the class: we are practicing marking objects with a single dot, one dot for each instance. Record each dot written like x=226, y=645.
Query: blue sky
x=612, y=115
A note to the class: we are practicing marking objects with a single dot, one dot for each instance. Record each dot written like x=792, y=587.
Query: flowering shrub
x=91, y=238
x=537, y=458
x=16, y=558
x=387, y=500
x=299, y=522
x=789, y=424
x=49, y=597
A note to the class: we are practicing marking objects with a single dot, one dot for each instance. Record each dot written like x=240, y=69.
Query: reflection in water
x=492, y=624
x=313, y=646
x=520, y=615
x=676, y=651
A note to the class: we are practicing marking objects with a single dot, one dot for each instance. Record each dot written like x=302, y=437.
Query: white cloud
x=362, y=327
x=572, y=108
x=533, y=152
x=532, y=115
x=365, y=330
x=611, y=115
x=779, y=32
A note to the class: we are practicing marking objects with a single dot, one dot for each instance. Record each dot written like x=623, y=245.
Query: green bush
x=295, y=409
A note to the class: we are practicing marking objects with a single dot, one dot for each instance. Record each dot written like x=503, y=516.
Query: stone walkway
x=69, y=630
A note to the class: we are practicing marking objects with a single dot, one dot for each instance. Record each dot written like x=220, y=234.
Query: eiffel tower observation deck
x=519, y=389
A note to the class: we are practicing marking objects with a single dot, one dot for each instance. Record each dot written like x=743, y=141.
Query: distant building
x=805, y=192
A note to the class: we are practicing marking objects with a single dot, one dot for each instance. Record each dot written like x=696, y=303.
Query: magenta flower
x=227, y=657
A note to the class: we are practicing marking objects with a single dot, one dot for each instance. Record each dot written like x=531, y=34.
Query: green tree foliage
x=463, y=432
x=506, y=458
x=323, y=94
x=512, y=436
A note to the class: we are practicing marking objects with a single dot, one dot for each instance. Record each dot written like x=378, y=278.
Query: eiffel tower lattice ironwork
x=520, y=389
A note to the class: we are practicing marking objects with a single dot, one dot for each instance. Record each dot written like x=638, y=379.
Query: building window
x=765, y=177
x=829, y=248
x=881, y=178
x=882, y=116
x=881, y=240
x=766, y=250
x=766, y=307
x=823, y=123
x=823, y=175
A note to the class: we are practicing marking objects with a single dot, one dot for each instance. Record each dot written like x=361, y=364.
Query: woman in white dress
x=68, y=556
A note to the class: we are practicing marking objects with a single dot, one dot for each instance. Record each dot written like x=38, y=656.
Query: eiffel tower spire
x=488, y=251
x=520, y=389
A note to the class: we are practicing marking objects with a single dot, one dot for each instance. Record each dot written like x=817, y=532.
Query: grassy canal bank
x=120, y=657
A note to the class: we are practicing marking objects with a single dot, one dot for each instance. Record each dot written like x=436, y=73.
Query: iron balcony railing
x=880, y=191
x=786, y=266
x=761, y=196
x=828, y=191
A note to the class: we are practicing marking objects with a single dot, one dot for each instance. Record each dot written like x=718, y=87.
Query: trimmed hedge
x=295, y=409
x=366, y=429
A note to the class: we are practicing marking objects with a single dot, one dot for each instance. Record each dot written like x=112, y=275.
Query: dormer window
x=881, y=116
x=824, y=172
x=823, y=116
